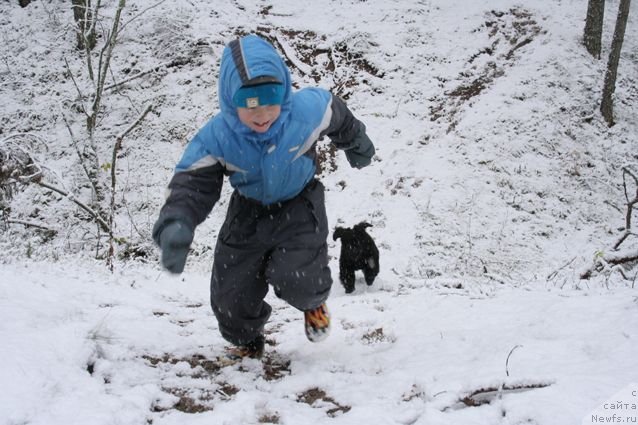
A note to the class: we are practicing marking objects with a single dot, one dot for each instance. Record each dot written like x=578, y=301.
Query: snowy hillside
x=496, y=184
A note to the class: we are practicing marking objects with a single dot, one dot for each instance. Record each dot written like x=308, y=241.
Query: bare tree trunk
x=594, y=26
x=607, y=104
x=83, y=16
x=90, y=152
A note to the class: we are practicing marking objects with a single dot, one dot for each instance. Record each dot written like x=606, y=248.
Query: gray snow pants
x=283, y=245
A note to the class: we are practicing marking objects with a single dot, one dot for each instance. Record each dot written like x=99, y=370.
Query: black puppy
x=358, y=252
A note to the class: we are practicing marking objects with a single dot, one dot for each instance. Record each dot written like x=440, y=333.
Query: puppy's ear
x=337, y=233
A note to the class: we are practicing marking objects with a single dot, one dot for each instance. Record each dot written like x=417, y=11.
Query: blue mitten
x=175, y=240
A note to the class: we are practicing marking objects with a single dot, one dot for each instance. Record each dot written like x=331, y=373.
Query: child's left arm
x=349, y=134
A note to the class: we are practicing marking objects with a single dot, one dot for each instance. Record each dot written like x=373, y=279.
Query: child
x=276, y=228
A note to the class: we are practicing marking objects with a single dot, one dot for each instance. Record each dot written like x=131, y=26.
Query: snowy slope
x=495, y=184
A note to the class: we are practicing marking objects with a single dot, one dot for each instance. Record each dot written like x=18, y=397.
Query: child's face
x=259, y=119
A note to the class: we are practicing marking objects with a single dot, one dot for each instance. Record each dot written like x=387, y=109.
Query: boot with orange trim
x=317, y=323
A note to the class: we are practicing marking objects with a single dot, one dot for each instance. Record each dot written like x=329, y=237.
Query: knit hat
x=259, y=91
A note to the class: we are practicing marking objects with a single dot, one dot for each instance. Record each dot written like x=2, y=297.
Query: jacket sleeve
x=192, y=192
x=349, y=134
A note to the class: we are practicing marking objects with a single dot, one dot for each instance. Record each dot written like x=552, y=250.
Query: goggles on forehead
x=259, y=95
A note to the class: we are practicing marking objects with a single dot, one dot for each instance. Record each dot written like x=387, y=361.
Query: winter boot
x=317, y=323
x=252, y=350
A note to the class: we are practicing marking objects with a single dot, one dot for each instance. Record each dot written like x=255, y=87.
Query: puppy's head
x=339, y=232
x=361, y=227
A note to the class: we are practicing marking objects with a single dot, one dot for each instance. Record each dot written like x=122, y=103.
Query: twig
x=553, y=274
x=120, y=138
x=630, y=204
x=32, y=224
x=100, y=221
x=507, y=362
x=75, y=83
x=612, y=205
x=105, y=60
x=132, y=220
x=116, y=148
x=88, y=36
x=619, y=269
x=81, y=157
x=40, y=139
x=622, y=239
x=174, y=62
x=626, y=172
x=136, y=123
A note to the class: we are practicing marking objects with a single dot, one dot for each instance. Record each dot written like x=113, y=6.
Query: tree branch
x=32, y=224
x=174, y=62
x=630, y=205
x=98, y=219
x=553, y=274
x=81, y=158
x=118, y=146
x=77, y=87
x=105, y=61
x=486, y=395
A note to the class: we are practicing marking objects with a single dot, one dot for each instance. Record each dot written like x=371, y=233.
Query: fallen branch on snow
x=175, y=62
x=486, y=395
x=32, y=224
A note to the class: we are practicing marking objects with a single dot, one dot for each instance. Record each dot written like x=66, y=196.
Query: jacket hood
x=256, y=58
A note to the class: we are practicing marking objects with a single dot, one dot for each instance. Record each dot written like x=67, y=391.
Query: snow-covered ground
x=82, y=346
x=496, y=183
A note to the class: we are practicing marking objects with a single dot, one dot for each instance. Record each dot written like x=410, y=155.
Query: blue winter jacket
x=266, y=167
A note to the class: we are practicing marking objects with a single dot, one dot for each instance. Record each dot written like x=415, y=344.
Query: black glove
x=175, y=240
x=360, y=155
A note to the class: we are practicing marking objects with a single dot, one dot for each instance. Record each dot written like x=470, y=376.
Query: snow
x=394, y=356
x=486, y=205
